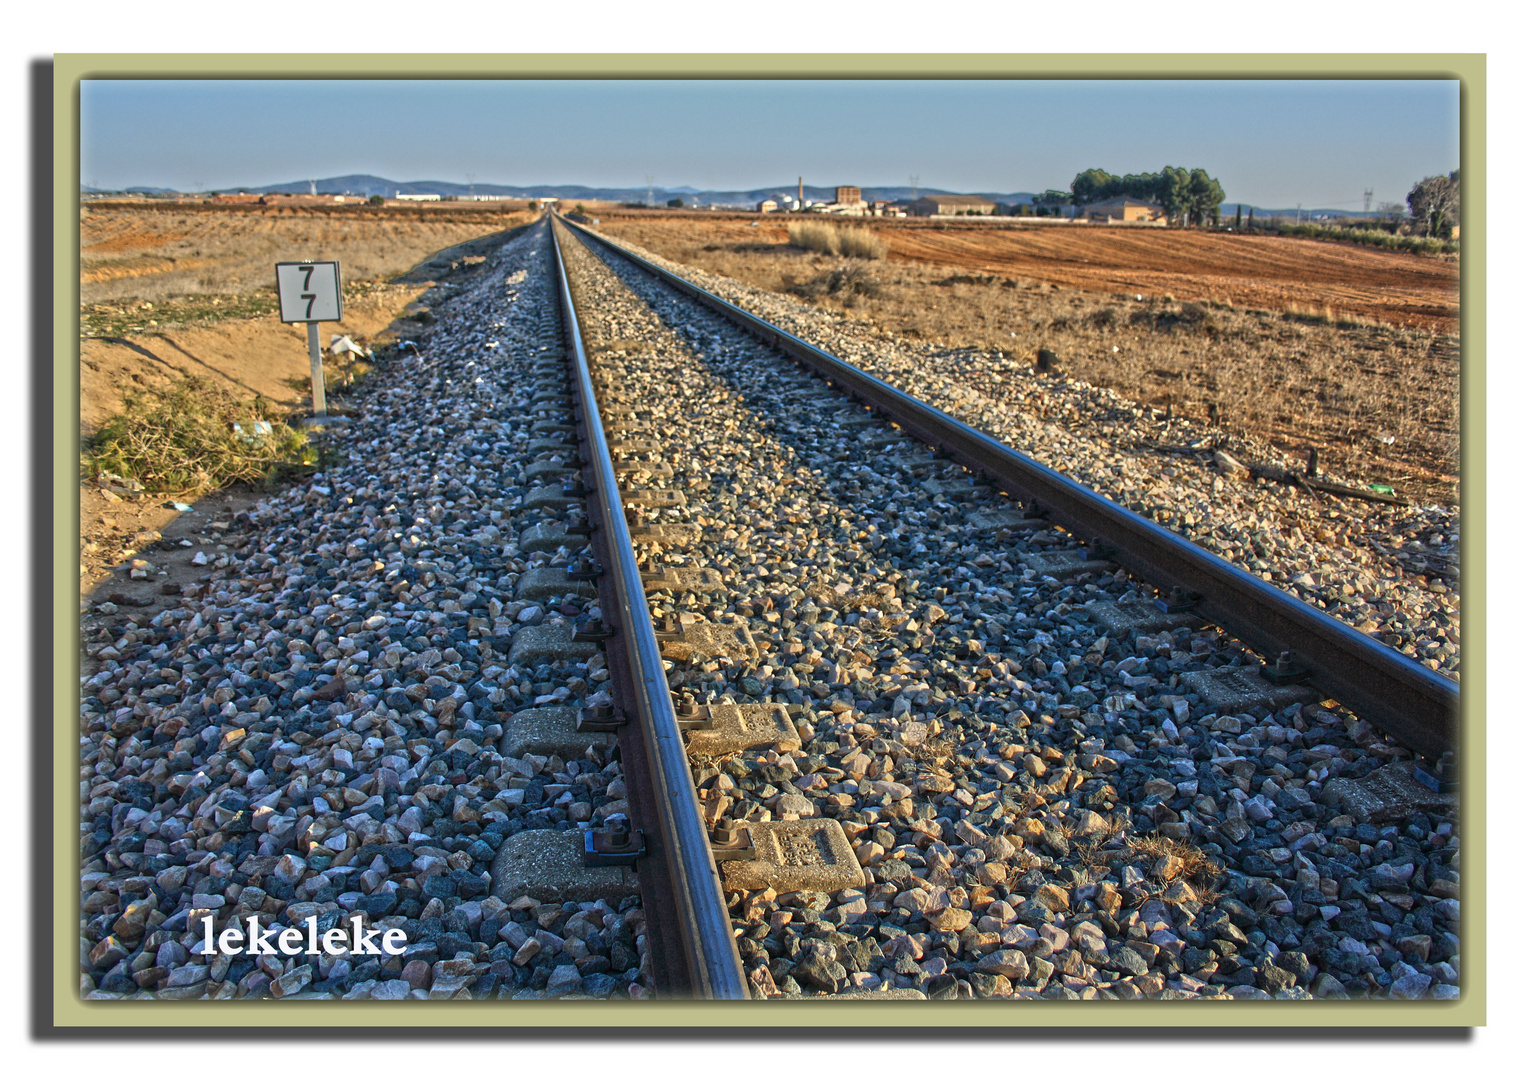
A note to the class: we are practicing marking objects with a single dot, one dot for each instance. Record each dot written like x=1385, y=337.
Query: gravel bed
x=1041, y=807
x=313, y=731
x=1392, y=572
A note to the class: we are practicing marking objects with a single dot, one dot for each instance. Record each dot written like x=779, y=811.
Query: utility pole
x=1297, y=208
x=1368, y=195
x=801, y=205
x=470, y=183
x=649, y=190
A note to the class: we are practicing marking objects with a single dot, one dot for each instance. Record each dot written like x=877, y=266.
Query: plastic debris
x=260, y=432
x=341, y=343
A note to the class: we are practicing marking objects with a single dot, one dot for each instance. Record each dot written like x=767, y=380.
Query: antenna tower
x=650, y=179
x=312, y=186
x=1368, y=194
x=914, y=187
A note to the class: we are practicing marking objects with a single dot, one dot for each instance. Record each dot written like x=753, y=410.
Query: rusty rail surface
x=1400, y=696
x=694, y=953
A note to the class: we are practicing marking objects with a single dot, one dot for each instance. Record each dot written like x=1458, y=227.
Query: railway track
x=887, y=726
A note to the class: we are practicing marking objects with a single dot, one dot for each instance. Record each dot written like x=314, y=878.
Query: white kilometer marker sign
x=311, y=292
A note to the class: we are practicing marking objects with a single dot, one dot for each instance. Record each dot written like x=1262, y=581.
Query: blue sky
x=1270, y=143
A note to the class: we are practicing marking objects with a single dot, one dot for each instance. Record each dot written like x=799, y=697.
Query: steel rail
x=689, y=926
x=1398, y=695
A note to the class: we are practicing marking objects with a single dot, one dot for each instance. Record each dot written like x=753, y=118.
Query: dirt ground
x=246, y=356
x=153, y=250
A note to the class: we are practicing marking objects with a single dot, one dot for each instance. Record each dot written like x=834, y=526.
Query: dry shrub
x=846, y=280
x=827, y=239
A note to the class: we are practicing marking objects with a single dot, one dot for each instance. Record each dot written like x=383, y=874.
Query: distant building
x=417, y=198
x=479, y=198
x=769, y=206
x=948, y=205
x=1124, y=210
x=847, y=194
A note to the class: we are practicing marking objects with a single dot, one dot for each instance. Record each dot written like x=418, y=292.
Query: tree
x=1174, y=193
x=676, y=203
x=1435, y=203
x=1206, y=197
x=1091, y=185
x=533, y=205
x=376, y=200
x=1050, y=198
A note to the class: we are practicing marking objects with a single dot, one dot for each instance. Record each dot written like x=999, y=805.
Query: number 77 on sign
x=309, y=292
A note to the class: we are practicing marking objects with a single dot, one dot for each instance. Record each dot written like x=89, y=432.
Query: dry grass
x=1195, y=867
x=1202, y=873
x=829, y=239
x=934, y=753
x=190, y=437
x=146, y=252
x=854, y=600
x=1300, y=379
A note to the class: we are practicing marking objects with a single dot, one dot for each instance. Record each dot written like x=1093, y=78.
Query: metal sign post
x=311, y=292
x=317, y=373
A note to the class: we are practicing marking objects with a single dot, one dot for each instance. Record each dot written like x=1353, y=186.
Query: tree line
x=1189, y=196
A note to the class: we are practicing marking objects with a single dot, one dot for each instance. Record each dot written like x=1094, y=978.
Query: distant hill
x=88, y=190
x=365, y=184
x=1305, y=213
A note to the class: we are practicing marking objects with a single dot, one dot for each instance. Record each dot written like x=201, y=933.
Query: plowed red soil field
x=1250, y=271
x=1247, y=270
